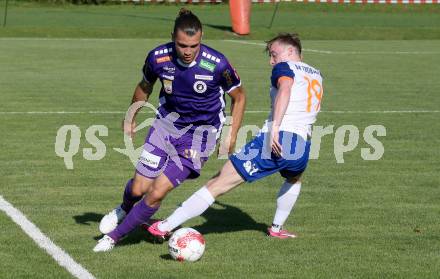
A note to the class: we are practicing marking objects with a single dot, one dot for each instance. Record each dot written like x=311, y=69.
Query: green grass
x=359, y=219
x=20, y=256
x=315, y=22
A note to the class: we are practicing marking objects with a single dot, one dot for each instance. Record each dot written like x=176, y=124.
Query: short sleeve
x=281, y=69
x=229, y=79
x=148, y=69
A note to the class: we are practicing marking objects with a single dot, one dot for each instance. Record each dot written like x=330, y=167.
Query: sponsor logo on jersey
x=207, y=65
x=227, y=75
x=203, y=77
x=212, y=57
x=190, y=153
x=170, y=70
x=163, y=51
x=163, y=59
x=200, y=87
x=250, y=168
x=235, y=73
x=168, y=86
x=167, y=77
x=149, y=159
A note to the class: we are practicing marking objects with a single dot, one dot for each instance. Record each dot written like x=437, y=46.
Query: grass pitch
x=359, y=219
x=313, y=22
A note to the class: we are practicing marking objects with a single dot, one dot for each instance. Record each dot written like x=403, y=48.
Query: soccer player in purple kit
x=194, y=78
x=282, y=146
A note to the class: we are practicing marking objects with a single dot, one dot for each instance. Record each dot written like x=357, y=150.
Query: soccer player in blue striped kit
x=282, y=145
x=194, y=79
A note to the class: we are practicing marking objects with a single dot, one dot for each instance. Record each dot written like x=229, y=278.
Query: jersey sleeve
x=149, y=75
x=229, y=79
x=281, y=69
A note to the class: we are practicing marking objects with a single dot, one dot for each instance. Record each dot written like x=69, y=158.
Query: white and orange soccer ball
x=186, y=244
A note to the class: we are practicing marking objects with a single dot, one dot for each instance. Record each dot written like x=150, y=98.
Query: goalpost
x=240, y=11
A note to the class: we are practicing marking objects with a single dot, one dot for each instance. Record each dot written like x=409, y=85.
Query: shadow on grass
x=138, y=235
x=122, y=15
x=150, y=17
x=88, y=218
x=134, y=237
x=226, y=219
x=222, y=218
x=167, y=257
x=219, y=27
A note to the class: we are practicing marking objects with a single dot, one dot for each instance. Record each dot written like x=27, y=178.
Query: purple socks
x=128, y=199
x=140, y=213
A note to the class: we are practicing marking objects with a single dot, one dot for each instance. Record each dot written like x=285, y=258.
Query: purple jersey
x=195, y=91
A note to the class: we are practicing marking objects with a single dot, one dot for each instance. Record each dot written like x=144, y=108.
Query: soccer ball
x=186, y=244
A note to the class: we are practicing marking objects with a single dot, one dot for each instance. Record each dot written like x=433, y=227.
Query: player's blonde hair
x=291, y=39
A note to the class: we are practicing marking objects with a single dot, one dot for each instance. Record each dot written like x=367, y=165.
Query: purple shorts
x=177, y=155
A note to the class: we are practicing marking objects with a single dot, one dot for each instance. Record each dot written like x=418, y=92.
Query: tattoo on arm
x=145, y=86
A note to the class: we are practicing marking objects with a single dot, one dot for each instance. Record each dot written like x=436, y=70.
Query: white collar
x=186, y=65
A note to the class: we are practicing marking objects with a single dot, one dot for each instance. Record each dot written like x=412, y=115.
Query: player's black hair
x=286, y=39
x=187, y=22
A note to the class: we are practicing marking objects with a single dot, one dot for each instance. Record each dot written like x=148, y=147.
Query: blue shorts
x=255, y=160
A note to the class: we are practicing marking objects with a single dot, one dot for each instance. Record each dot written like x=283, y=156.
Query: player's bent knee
x=216, y=189
x=155, y=197
x=226, y=180
x=158, y=192
x=219, y=186
x=140, y=186
x=136, y=189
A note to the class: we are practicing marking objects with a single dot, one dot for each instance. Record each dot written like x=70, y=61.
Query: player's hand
x=129, y=128
x=274, y=141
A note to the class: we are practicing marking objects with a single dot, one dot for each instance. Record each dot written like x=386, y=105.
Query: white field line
x=339, y=52
x=247, y=112
x=61, y=257
x=230, y=41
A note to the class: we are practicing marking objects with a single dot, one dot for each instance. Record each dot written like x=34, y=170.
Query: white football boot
x=105, y=244
x=110, y=221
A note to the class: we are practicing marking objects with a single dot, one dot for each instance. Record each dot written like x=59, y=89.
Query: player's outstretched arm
x=141, y=93
x=238, y=104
